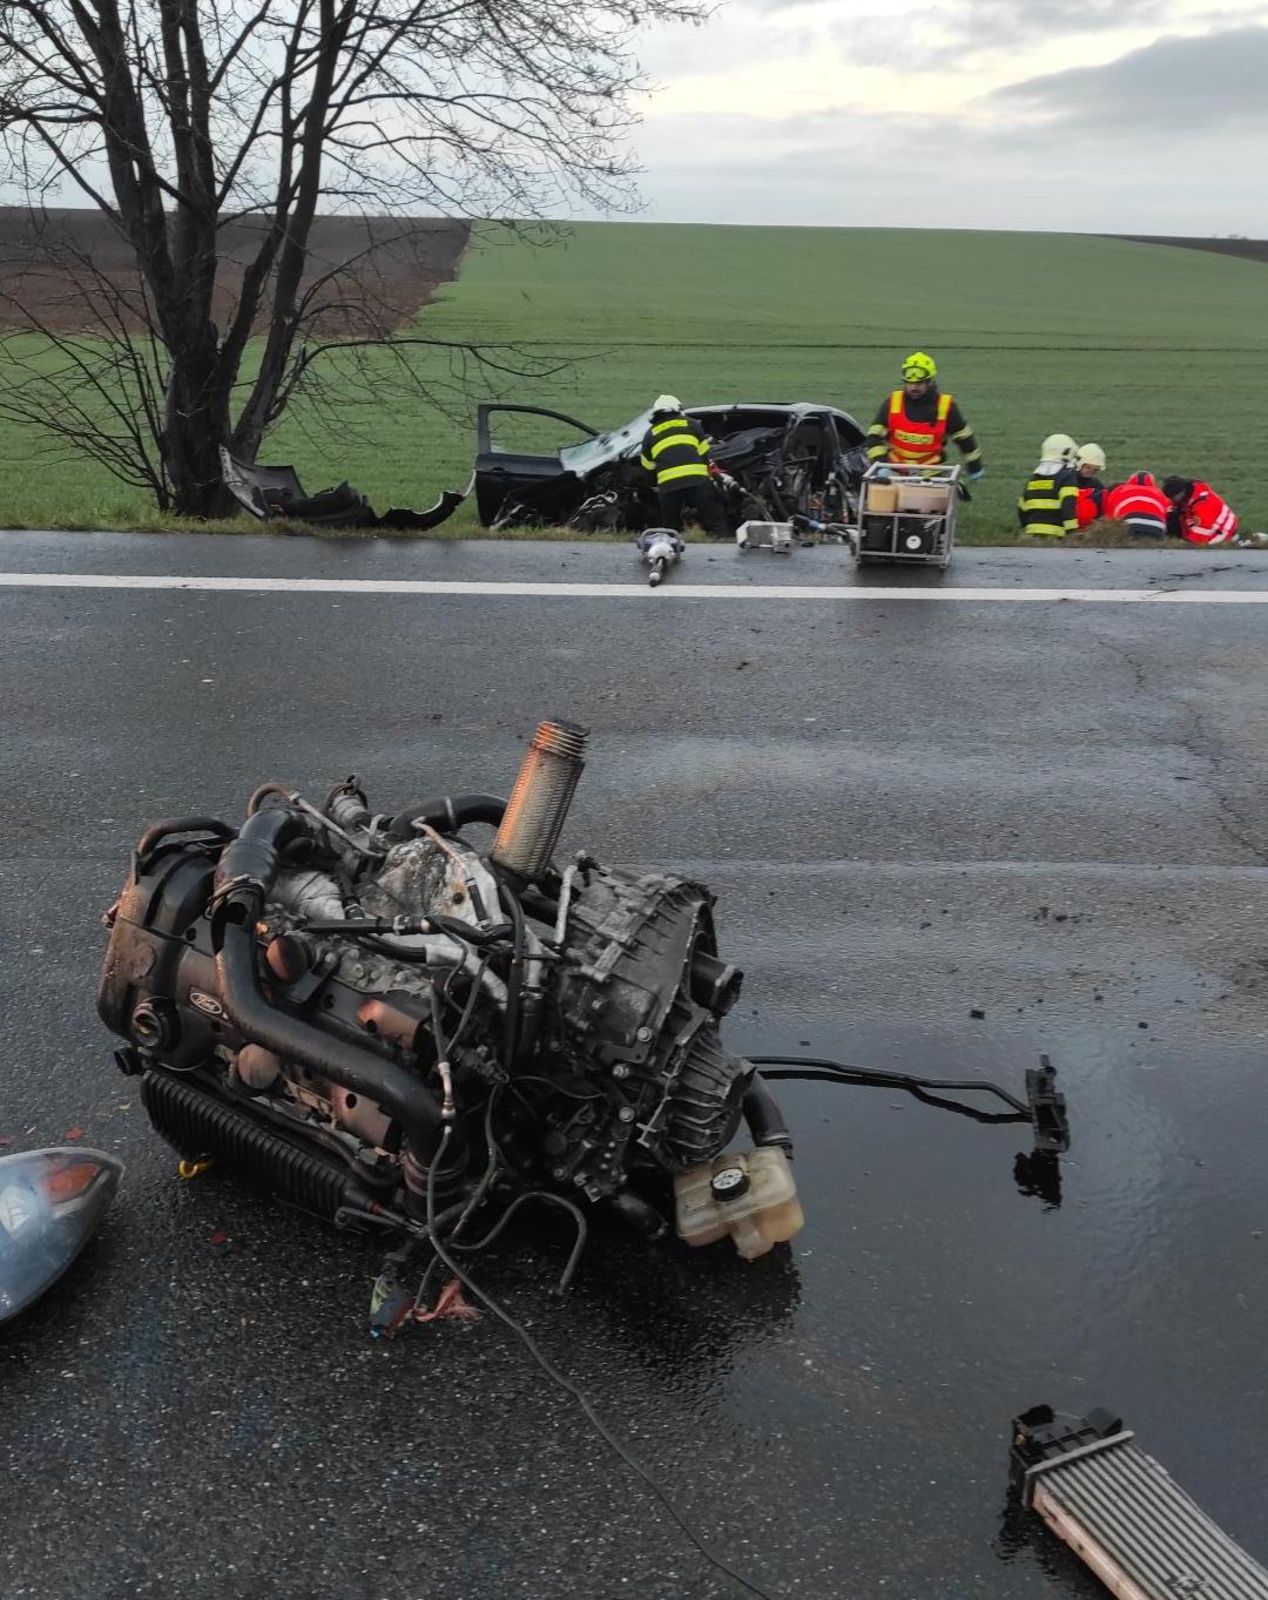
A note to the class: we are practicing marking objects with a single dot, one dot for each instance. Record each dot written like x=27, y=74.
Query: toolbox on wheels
x=907, y=513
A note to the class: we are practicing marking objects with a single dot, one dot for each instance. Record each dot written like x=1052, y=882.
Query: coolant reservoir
x=752, y=1195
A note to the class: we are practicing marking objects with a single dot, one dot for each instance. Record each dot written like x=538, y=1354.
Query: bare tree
x=186, y=121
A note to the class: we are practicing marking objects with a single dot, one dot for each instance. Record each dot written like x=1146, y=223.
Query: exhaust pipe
x=539, y=803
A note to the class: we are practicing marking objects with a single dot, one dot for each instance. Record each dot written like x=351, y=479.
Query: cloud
x=1211, y=82
x=827, y=112
x=927, y=37
x=992, y=168
x=1004, y=24
x=949, y=34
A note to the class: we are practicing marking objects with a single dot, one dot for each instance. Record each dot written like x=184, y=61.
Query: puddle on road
x=833, y=1418
x=880, y=1361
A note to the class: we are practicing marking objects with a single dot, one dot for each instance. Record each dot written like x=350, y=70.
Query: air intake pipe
x=539, y=803
x=448, y=812
x=397, y=1091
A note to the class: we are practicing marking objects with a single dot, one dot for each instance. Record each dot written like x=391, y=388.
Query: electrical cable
x=546, y=1198
x=464, y=1021
x=559, y=1088
x=570, y=1388
x=469, y=1207
x=452, y=927
x=929, y=1090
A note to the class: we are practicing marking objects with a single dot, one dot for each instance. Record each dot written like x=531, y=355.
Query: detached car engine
x=391, y=1027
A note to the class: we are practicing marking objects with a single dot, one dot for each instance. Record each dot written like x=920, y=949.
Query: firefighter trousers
x=693, y=500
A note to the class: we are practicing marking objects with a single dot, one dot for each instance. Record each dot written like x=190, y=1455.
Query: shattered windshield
x=598, y=452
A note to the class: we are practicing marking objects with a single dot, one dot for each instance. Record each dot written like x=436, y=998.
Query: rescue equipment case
x=907, y=513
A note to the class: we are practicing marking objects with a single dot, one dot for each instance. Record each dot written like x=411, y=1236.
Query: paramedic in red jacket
x=1141, y=504
x=1198, y=514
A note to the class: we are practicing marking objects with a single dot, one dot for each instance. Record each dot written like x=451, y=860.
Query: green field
x=1152, y=351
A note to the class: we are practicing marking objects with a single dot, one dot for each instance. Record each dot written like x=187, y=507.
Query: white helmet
x=669, y=402
x=1058, y=447
x=1091, y=455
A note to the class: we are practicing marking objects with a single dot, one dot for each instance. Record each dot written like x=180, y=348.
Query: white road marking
x=634, y=590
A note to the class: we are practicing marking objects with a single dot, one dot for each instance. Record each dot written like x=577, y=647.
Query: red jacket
x=1206, y=518
x=1140, y=502
x=1090, y=504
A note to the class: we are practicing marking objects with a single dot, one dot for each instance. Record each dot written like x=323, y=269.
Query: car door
x=518, y=461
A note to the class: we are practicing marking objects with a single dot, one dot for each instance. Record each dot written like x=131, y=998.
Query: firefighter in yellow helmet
x=676, y=454
x=914, y=425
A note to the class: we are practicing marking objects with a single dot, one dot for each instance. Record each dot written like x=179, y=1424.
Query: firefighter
x=1197, y=513
x=676, y=452
x=1089, y=464
x=1140, y=504
x=1049, y=504
x=912, y=427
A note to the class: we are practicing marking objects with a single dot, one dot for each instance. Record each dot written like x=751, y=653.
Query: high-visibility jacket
x=1206, y=517
x=916, y=430
x=1091, y=504
x=675, y=450
x=1049, y=504
x=1140, y=503
x=911, y=440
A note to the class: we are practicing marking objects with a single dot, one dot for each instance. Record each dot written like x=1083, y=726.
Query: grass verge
x=1140, y=347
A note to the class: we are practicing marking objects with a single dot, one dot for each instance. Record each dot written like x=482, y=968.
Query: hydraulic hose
x=397, y=1091
x=765, y=1119
x=449, y=813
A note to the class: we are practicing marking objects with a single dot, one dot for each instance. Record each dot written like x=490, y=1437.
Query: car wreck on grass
x=776, y=460
x=773, y=461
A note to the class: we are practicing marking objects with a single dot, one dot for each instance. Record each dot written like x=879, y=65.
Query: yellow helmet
x=919, y=368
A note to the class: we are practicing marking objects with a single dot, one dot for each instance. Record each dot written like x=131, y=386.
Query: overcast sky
x=1134, y=116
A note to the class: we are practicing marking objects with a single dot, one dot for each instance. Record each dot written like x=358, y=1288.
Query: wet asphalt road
x=1048, y=813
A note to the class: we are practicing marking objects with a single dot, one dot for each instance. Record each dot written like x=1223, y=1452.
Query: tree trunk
x=196, y=424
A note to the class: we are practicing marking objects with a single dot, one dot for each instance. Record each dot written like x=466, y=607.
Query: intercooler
x=1123, y=1514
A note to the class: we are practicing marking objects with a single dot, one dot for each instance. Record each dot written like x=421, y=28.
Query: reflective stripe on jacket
x=1049, y=504
x=675, y=449
x=918, y=443
x=1139, y=502
x=932, y=418
x=1207, y=518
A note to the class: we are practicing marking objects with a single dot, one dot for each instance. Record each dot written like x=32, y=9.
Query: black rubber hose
x=390, y=1086
x=247, y=870
x=765, y=1119
x=449, y=813
x=522, y=1009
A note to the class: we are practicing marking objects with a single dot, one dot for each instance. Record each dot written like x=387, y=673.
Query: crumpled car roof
x=617, y=442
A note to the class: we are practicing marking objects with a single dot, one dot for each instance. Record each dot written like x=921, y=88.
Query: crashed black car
x=777, y=460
